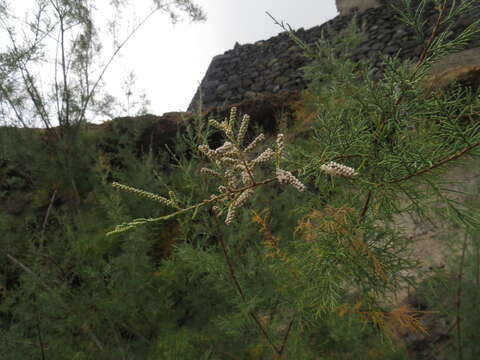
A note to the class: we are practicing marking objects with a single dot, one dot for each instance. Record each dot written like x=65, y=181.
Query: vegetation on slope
x=289, y=274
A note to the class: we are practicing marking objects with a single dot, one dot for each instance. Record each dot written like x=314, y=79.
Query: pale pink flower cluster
x=244, y=173
x=170, y=202
x=263, y=157
x=243, y=129
x=334, y=168
x=226, y=148
x=206, y=150
x=238, y=202
x=254, y=143
x=237, y=170
x=280, y=143
x=286, y=177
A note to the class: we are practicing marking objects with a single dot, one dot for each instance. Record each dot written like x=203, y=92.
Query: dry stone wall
x=346, y=7
x=273, y=65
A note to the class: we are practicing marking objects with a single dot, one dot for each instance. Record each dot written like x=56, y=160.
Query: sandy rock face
x=346, y=7
x=463, y=66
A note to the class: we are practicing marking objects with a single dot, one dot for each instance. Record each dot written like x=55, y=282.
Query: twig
x=47, y=214
x=28, y=270
x=430, y=40
x=453, y=157
x=40, y=340
x=112, y=57
x=417, y=66
x=419, y=172
x=242, y=295
x=120, y=345
x=50, y=290
x=365, y=206
x=285, y=338
x=458, y=302
x=96, y=341
x=399, y=99
x=140, y=221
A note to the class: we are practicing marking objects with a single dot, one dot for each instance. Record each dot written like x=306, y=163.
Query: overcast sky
x=170, y=60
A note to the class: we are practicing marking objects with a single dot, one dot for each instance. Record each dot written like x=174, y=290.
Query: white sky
x=169, y=61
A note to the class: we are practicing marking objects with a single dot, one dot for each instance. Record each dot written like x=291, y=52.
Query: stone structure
x=346, y=7
x=273, y=66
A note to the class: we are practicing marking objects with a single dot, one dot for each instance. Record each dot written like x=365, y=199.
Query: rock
x=222, y=88
x=162, y=132
x=211, y=84
x=463, y=66
x=221, y=57
x=280, y=80
x=346, y=7
x=246, y=82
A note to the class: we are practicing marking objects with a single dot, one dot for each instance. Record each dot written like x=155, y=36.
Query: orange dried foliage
x=270, y=241
x=407, y=318
x=335, y=220
x=402, y=317
x=304, y=109
x=331, y=219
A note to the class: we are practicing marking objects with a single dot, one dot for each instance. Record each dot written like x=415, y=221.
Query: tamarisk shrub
x=285, y=288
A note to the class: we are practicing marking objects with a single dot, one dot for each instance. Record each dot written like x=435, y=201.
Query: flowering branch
x=235, y=168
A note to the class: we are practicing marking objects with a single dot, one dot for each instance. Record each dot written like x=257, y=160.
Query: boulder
x=463, y=66
x=346, y=7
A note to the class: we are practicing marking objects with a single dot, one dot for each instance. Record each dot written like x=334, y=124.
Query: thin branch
x=444, y=161
x=28, y=270
x=419, y=63
x=42, y=346
x=30, y=84
x=13, y=106
x=242, y=294
x=230, y=268
x=51, y=291
x=365, y=206
x=66, y=91
x=96, y=341
x=346, y=156
x=120, y=46
x=285, y=338
x=140, y=221
x=430, y=40
x=47, y=214
x=117, y=339
x=57, y=97
x=458, y=301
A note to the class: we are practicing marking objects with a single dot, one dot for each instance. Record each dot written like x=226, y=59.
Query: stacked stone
x=273, y=65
